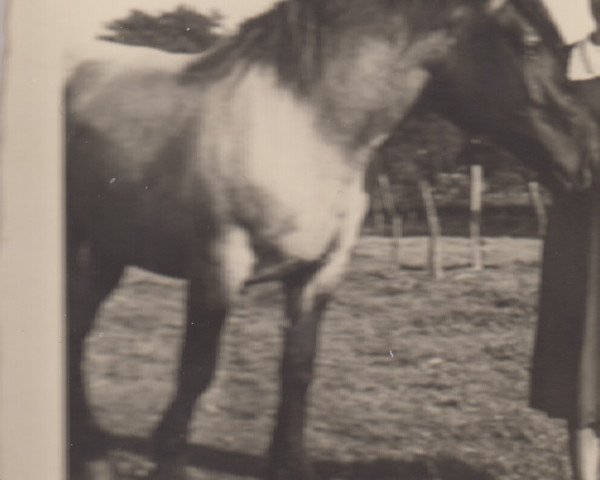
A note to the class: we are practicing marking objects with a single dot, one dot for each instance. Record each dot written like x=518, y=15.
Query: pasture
x=415, y=380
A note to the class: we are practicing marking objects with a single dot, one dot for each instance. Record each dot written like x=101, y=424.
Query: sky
x=85, y=18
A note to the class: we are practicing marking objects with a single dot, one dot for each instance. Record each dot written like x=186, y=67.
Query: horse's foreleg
x=217, y=275
x=306, y=302
x=206, y=311
x=287, y=449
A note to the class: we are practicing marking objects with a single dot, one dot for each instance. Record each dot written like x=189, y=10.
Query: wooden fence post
x=434, y=258
x=475, y=219
x=397, y=233
x=539, y=206
x=378, y=216
x=389, y=205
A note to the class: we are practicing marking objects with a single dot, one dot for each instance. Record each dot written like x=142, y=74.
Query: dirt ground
x=416, y=379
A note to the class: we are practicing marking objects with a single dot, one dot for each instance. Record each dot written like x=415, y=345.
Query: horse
x=246, y=165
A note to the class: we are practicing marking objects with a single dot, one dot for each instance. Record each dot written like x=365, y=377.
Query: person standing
x=565, y=377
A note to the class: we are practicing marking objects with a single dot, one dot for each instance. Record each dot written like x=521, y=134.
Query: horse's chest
x=285, y=181
x=293, y=191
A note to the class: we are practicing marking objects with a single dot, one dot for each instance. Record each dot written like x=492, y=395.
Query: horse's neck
x=589, y=93
x=365, y=91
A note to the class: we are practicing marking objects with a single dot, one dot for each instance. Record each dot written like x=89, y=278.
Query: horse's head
x=506, y=78
x=495, y=67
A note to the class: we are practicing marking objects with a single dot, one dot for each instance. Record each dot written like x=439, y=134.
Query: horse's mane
x=539, y=17
x=281, y=35
x=289, y=35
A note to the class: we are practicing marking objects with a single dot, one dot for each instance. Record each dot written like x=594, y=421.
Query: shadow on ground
x=252, y=466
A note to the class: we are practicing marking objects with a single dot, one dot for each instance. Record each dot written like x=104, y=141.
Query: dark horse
x=247, y=165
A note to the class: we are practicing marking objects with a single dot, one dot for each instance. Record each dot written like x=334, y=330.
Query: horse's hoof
x=88, y=455
x=291, y=471
x=168, y=471
x=100, y=469
x=89, y=439
x=96, y=469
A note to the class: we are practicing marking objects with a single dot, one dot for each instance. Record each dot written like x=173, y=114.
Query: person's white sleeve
x=572, y=17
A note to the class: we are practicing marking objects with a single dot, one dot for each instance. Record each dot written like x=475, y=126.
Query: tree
x=427, y=147
x=181, y=30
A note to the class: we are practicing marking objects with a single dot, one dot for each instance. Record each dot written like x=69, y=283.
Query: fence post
x=475, y=219
x=390, y=206
x=434, y=258
x=539, y=206
x=378, y=216
x=397, y=233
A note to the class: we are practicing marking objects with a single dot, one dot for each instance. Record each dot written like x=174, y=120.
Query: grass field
x=416, y=380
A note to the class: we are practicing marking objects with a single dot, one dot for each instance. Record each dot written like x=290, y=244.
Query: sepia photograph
x=300, y=240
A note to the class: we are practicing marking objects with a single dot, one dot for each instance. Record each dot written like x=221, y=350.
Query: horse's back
x=118, y=56
x=131, y=76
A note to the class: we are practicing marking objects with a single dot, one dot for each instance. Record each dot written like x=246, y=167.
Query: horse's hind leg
x=306, y=302
x=91, y=277
x=216, y=276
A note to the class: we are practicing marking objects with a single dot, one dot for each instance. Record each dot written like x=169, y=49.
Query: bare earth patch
x=416, y=380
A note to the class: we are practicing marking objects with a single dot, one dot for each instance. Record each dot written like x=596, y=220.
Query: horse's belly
x=151, y=233
x=165, y=245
